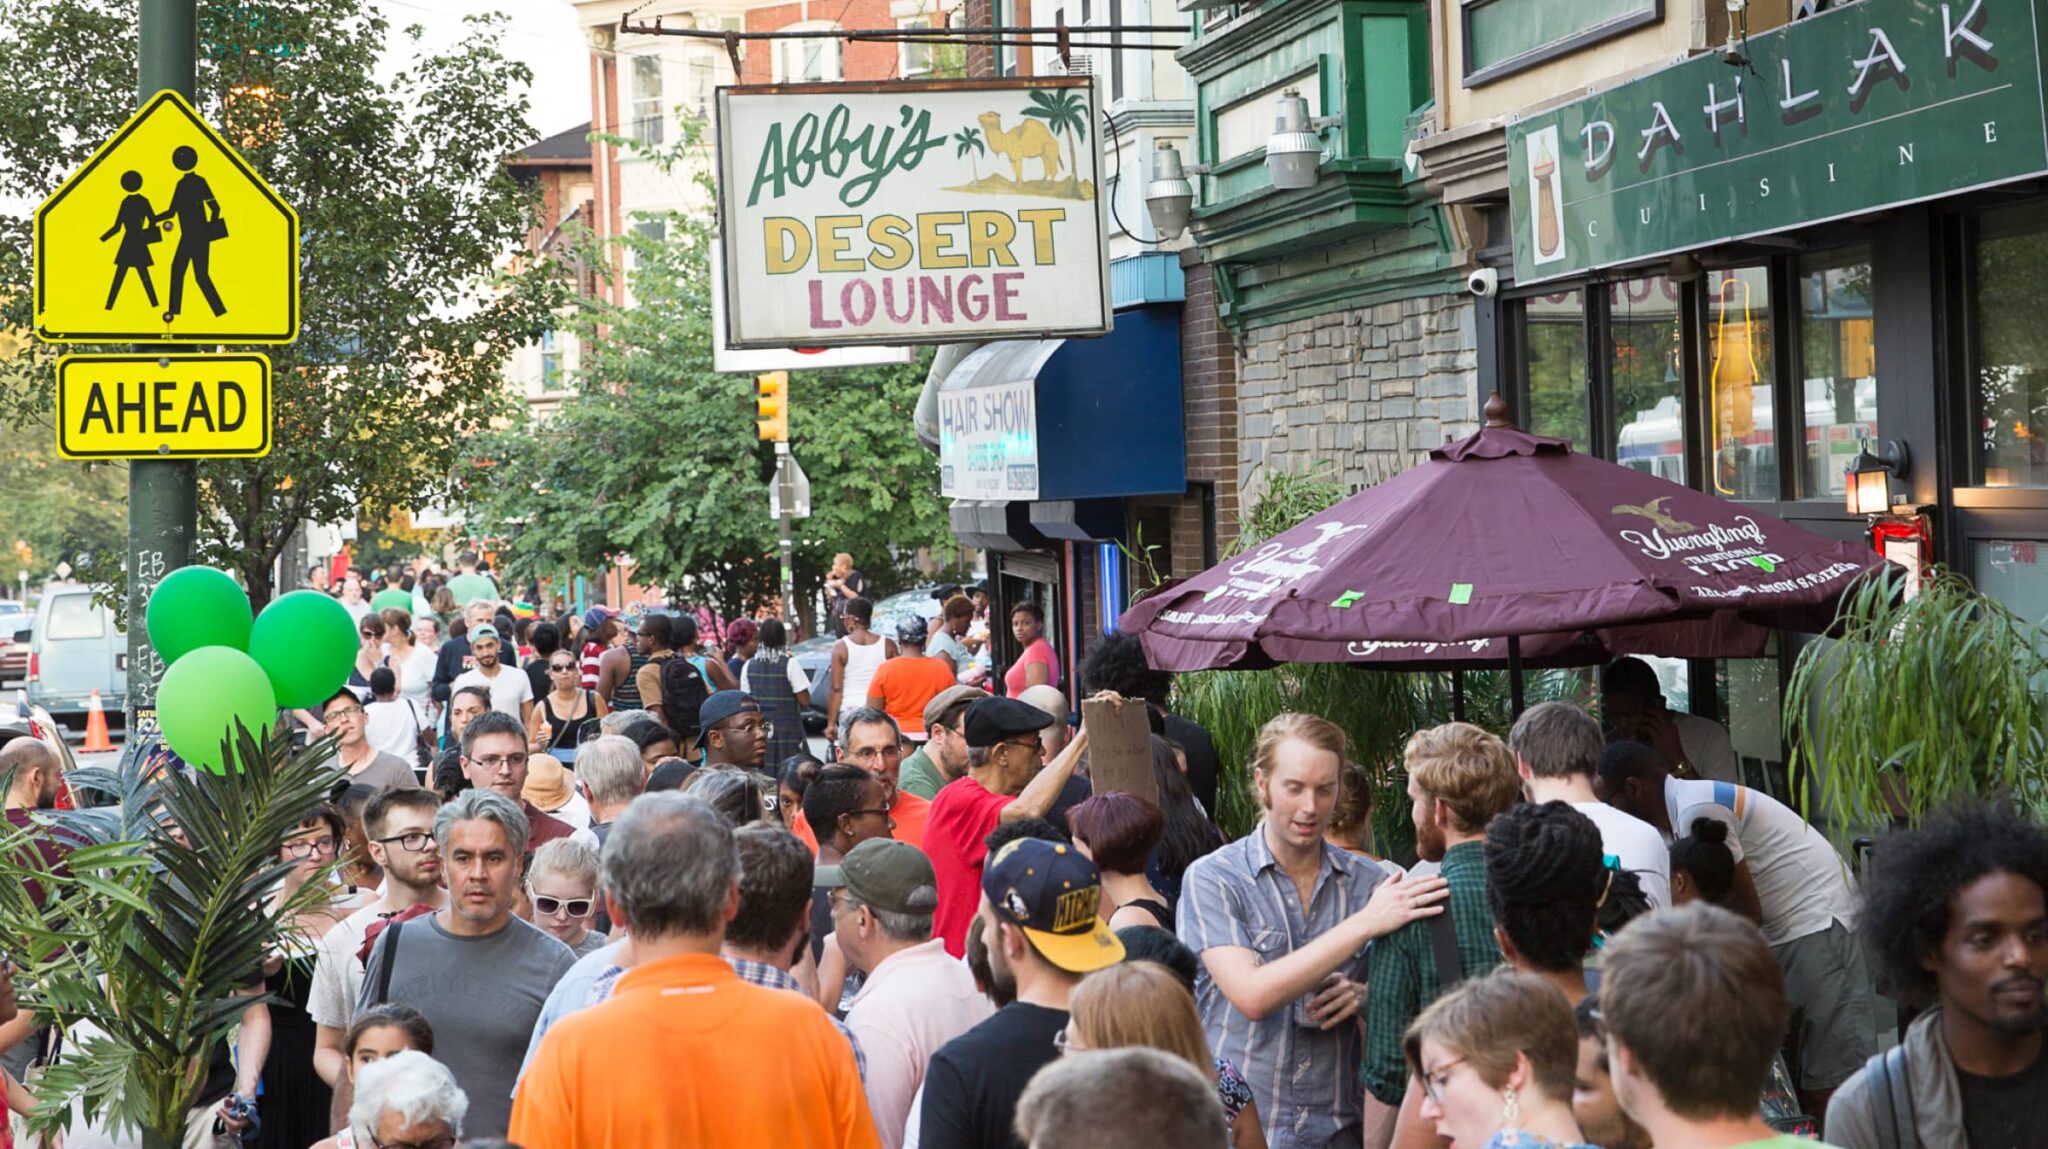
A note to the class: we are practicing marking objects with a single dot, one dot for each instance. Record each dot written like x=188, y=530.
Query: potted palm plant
x=149, y=929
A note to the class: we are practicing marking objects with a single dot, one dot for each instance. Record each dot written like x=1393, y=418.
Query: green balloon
x=306, y=643
x=393, y=599
x=201, y=698
x=194, y=607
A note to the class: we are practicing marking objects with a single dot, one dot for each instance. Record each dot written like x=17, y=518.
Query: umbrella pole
x=1514, y=677
x=1457, y=695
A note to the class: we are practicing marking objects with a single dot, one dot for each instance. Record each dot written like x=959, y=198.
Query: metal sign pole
x=785, y=510
x=163, y=495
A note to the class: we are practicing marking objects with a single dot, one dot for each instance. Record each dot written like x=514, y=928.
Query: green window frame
x=1541, y=30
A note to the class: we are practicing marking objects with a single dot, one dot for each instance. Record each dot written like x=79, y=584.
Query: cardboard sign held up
x=1119, y=747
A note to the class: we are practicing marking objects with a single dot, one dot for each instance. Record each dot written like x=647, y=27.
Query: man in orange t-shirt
x=902, y=685
x=685, y=1052
x=868, y=739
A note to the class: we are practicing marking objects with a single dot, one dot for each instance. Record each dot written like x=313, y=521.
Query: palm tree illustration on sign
x=1063, y=112
x=967, y=142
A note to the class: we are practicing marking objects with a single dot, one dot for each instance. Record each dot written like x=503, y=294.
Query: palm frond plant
x=151, y=930
x=967, y=142
x=1064, y=113
x=1920, y=701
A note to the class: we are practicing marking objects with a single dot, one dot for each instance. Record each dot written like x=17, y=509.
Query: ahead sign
x=166, y=235
x=163, y=406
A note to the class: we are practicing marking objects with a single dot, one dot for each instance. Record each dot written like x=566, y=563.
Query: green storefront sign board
x=1871, y=105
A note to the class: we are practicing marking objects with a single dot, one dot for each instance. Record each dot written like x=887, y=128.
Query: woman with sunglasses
x=295, y=1101
x=1496, y=1058
x=376, y=1034
x=562, y=885
x=563, y=709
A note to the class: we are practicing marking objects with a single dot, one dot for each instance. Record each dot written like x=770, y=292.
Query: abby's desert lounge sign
x=911, y=212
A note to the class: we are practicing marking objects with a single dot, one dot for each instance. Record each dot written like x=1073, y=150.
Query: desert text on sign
x=163, y=406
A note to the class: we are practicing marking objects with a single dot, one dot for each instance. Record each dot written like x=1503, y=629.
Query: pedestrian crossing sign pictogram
x=166, y=235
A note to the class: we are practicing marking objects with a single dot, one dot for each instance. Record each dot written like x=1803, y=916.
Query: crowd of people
x=630, y=909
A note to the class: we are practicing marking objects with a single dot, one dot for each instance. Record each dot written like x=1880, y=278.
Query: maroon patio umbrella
x=1505, y=548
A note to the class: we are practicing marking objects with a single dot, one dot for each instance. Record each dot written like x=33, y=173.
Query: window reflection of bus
x=1654, y=442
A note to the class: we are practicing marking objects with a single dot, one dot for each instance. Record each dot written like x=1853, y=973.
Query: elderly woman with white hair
x=405, y=1101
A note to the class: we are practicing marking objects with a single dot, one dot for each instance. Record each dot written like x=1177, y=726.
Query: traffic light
x=771, y=406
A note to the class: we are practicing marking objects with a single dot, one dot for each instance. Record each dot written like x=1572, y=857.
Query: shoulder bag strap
x=1443, y=939
x=390, y=959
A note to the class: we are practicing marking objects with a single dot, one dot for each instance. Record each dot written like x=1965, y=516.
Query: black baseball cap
x=724, y=705
x=993, y=720
x=1053, y=894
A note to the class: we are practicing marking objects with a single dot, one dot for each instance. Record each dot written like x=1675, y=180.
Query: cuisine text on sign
x=911, y=212
x=163, y=406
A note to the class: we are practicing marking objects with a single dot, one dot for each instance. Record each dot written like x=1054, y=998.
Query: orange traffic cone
x=96, y=739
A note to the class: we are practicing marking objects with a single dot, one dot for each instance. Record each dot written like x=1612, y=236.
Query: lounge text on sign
x=166, y=235
x=911, y=212
x=163, y=406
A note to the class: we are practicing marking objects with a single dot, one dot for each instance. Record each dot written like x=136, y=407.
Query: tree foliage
x=655, y=458
x=405, y=213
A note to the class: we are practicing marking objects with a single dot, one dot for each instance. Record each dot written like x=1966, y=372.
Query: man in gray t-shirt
x=477, y=973
x=365, y=764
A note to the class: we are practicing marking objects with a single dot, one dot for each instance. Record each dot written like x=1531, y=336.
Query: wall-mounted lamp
x=1169, y=197
x=1869, y=478
x=1295, y=150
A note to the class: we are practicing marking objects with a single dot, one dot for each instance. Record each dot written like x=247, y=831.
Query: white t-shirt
x=1640, y=848
x=337, y=975
x=1802, y=883
x=1707, y=748
x=798, y=680
x=394, y=727
x=508, y=689
x=416, y=676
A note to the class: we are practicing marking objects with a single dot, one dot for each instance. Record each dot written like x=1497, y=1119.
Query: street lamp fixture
x=1295, y=150
x=1869, y=478
x=1169, y=197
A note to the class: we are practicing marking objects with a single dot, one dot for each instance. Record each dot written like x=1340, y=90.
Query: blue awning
x=1108, y=419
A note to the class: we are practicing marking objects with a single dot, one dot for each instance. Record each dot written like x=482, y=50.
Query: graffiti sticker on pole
x=937, y=212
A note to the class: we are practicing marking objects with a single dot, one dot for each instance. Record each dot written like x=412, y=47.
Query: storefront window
x=1554, y=358
x=2009, y=348
x=1753, y=706
x=1838, y=356
x=1648, y=377
x=2015, y=572
x=1739, y=384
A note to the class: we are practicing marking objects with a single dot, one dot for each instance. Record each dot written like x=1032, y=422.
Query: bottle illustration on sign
x=1549, y=233
x=135, y=223
x=194, y=217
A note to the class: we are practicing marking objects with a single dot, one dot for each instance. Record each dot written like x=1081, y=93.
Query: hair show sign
x=1870, y=105
x=911, y=212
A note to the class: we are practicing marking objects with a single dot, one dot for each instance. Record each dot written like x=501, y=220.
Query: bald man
x=32, y=775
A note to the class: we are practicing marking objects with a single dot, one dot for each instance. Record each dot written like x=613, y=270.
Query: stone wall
x=1364, y=391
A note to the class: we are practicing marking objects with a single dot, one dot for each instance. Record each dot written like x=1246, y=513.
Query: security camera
x=1484, y=283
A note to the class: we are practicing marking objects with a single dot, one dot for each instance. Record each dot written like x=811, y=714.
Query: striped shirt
x=1304, y=1079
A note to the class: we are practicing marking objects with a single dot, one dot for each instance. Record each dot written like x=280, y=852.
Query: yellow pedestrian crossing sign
x=166, y=235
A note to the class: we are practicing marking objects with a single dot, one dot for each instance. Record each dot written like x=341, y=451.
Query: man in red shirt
x=902, y=685
x=1006, y=780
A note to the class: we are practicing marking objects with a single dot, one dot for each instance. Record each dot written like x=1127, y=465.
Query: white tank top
x=861, y=663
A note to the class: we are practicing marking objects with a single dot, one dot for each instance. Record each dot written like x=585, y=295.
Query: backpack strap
x=1443, y=940
x=390, y=959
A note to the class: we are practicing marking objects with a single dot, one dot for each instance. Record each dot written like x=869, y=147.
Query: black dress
x=295, y=1102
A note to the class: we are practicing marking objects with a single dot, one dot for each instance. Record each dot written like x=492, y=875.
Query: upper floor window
x=914, y=59
x=647, y=111
x=1505, y=36
x=807, y=60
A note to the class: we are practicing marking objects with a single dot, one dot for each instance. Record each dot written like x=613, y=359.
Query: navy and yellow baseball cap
x=1053, y=894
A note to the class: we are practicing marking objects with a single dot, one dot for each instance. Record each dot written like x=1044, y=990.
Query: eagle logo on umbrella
x=1654, y=511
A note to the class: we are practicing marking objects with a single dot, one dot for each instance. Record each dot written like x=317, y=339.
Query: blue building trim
x=1149, y=277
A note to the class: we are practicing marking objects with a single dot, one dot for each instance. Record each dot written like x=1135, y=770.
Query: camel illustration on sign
x=1029, y=140
x=1654, y=511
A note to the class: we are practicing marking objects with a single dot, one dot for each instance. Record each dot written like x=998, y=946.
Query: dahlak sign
x=1870, y=105
x=911, y=212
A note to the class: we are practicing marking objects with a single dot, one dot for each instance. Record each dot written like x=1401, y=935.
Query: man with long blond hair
x=1280, y=919
x=1459, y=778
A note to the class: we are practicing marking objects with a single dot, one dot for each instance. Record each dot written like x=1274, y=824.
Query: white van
x=75, y=649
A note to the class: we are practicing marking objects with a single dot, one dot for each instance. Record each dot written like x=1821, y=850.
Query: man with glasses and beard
x=494, y=757
x=1956, y=917
x=474, y=970
x=400, y=827
x=1007, y=779
x=735, y=731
